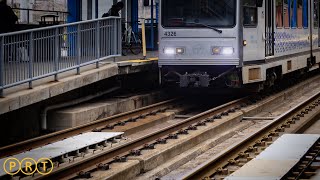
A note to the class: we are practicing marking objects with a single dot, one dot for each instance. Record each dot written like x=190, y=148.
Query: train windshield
x=196, y=13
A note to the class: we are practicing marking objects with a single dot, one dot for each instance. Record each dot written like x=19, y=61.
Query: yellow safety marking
x=141, y=61
x=144, y=43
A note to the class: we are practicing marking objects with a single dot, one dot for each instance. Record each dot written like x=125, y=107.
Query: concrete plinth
x=89, y=112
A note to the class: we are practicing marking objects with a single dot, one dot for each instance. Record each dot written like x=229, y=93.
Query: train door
x=269, y=36
x=253, y=31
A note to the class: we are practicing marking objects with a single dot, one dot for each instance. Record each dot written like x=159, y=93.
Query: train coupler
x=195, y=80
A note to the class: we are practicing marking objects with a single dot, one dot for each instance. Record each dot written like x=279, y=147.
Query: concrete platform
x=20, y=96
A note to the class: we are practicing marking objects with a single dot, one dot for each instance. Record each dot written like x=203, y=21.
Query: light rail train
x=237, y=43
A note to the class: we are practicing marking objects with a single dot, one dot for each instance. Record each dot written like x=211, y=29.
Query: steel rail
x=53, y=137
x=300, y=170
x=89, y=164
x=263, y=136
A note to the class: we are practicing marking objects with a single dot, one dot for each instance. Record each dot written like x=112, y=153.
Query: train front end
x=199, y=42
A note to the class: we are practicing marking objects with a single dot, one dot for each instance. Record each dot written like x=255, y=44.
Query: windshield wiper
x=206, y=25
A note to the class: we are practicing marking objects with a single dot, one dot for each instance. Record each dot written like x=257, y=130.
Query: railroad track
x=296, y=120
x=120, y=153
x=96, y=126
x=308, y=165
x=116, y=147
x=80, y=166
x=104, y=125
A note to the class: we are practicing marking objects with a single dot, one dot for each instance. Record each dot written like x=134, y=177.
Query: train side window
x=293, y=13
x=316, y=13
x=250, y=13
x=279, y=15
x=286, y=15
x=305, y=13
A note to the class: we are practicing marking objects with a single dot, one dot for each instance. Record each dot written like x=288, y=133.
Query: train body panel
x=200, y=43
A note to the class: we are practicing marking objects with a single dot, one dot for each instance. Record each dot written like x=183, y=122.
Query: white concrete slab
x=278, y=159
x=60, y=148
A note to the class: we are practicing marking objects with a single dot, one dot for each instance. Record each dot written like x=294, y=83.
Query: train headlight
x=173, y=51
x=222, y=50
x=227, y=51
x=169, y=51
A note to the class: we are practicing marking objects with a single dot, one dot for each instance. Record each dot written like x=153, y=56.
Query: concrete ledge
x=193, y=153
x=39, y=93
x=134, y=66
x=120, y=171
x=89, y=112
x=163, y=153
x=137, y=62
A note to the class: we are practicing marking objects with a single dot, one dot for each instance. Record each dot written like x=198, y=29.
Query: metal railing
x=31, y=55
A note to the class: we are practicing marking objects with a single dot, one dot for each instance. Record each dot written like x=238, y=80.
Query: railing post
x=31, y=48
x=56, y=57
x=98, y=43
x=28, y=16
x=115, y=47
x=78, y=48
x=119, y=36
x=1, y=66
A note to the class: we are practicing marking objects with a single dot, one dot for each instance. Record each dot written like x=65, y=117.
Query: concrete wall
x=34, y=16
x=147, y=10
x=103, y=7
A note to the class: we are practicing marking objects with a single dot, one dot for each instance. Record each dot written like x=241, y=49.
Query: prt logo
x=28, y=166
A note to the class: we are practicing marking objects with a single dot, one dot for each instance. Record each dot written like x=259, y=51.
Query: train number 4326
x=170, y=34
